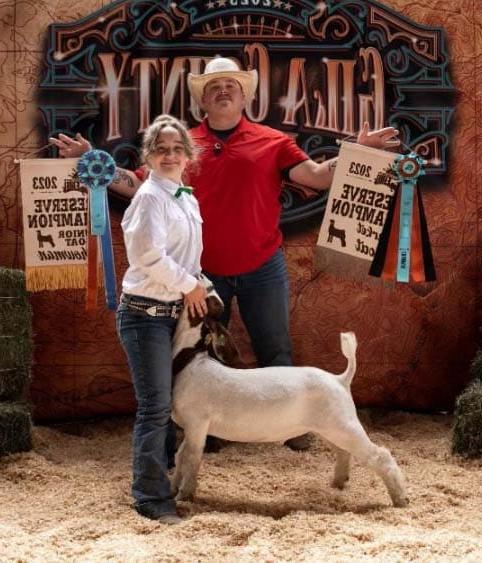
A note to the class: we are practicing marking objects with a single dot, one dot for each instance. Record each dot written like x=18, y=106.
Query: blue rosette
x=408, y=168
x=96, y=170
x=403, y=252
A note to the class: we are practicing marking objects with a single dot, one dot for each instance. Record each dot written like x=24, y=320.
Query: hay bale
x=467, y=432
x=12, y=283
x=15, y=334
x=476, y=366
x=15, y=428
x=13, y=382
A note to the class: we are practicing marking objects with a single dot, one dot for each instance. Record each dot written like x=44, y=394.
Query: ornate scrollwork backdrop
x=171, y=39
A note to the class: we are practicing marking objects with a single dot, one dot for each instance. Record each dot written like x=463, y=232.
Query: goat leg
x=353, y=439
x=177, y=477
x=342, y=468
x=193, y=446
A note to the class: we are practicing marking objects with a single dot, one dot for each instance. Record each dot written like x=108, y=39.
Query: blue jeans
x=147, y=343
x=263, y=302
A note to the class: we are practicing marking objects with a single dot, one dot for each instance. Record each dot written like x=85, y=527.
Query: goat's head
x=221, y=344
x=189, y=328
x=194, y=332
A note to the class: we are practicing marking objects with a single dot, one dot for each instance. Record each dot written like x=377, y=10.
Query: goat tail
x=348, y=347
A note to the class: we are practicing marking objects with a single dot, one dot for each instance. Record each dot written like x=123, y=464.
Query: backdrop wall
x=415, y=342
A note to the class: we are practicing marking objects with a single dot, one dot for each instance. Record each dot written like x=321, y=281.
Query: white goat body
x=262, y=404
x=270, y=404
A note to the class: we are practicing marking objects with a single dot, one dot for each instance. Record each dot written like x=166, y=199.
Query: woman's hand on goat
x=195, y=301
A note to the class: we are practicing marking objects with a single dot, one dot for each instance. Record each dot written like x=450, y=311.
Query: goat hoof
x=401, y=502
x=339, y=484
x=184, y=496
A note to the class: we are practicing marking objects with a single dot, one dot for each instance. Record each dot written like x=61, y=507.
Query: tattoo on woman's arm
x=332, y=164
x=121, y=177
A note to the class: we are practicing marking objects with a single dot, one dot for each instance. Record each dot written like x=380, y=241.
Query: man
x=238, y=182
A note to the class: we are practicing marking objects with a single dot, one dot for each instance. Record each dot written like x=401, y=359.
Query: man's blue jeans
x=147, y=343
x=263, y=302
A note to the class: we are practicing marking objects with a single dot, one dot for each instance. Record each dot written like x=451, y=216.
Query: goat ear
x=224, y=347
x=215, y=307
x=218, y=346
x=234, y=359
x=221, y=347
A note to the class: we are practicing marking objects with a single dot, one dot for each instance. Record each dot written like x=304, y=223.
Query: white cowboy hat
x=221, y=67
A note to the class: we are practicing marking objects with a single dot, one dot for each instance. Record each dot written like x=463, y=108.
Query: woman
x=162, y=234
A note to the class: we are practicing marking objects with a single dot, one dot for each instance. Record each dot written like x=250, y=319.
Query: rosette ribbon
x=403, y=252
x=96, y=170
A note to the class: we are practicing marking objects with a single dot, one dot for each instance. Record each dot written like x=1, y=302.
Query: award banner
x=361, y=194
x=55, y=224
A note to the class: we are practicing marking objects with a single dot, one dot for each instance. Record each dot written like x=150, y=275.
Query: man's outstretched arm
x=125, y=182
x=319, y=175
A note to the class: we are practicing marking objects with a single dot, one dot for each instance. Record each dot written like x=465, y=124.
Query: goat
x=264, y=404
x=41, y=238
x=334, y=232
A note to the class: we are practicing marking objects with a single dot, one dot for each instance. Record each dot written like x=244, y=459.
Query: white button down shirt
x=163, y=239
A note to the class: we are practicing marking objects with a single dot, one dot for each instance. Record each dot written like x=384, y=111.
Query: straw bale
x=467, y=431
x=15, y=335
x=15, y=428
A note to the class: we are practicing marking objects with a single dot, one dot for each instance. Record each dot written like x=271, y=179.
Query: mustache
x=223, y=96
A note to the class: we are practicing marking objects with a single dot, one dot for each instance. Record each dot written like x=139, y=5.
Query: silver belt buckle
x=152, y=311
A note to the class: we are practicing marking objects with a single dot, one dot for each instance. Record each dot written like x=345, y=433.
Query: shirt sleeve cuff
x=188, y=284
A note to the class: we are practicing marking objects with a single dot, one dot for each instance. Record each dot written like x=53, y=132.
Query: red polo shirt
x=238, y=185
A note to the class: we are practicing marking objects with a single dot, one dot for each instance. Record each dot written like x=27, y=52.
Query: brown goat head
x=223, y=344
x=215, y=310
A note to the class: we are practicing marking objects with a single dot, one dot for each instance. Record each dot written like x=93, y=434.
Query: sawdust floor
x=69, y=500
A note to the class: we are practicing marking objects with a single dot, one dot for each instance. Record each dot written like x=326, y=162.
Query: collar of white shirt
x=164, y=183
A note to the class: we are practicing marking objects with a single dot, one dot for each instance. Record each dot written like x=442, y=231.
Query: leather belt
x=153, y=308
